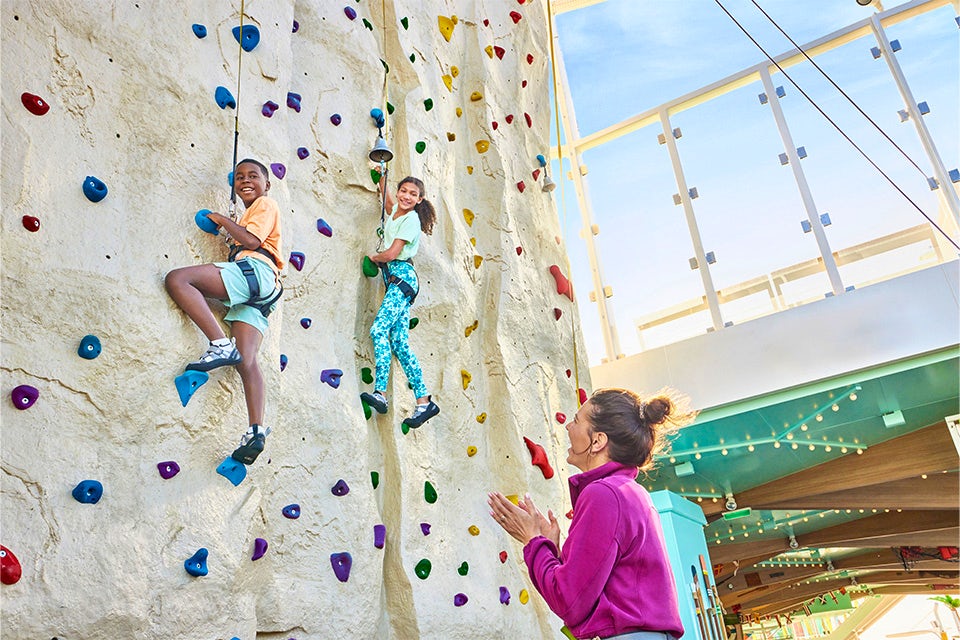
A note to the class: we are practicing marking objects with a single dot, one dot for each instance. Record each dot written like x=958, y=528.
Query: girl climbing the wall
x=391, y=327
x=248, y=285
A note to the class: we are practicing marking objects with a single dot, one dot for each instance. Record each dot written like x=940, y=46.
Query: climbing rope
x=236, y=119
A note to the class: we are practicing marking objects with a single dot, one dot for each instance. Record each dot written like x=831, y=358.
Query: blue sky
x=624, y=57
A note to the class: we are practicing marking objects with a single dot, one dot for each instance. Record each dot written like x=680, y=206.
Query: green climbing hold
x=367, y=411
x=423, y=569
x=375, y=479
x=367, y=24
x=413, y=57
x=567, y=633
x=386, y=67
x=414, y=322
x=428, y=104
x=370, y=268
x=366, y=375
x=420, y=146
x=463, y=568
x=375, y=176
x=429, y=493
x=404, y=428
x=390, y=109
x=405, y=22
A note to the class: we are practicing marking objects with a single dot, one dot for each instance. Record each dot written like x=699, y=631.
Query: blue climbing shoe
x=375, y=400
x=421, y=414
x=217, y=356
x=251, y=444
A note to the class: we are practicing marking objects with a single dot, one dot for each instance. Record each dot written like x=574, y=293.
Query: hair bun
x=656, y=410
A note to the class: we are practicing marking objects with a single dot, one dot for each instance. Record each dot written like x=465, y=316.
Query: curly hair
x=424, y=209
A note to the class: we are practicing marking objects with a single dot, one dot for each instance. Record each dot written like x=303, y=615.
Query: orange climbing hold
x=476, y=96
x=563, y=285
x=459, y=112
x=454, y=71
x=471, y=451
x=482, y=417
x=451, y=136
x=483, y=145
x=470, y=169
x=468, y=216
x=538, y=458
x=446, y=27
x=474, y=530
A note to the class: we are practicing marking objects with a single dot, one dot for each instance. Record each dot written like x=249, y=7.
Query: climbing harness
x=405, y=288
x=258, y=302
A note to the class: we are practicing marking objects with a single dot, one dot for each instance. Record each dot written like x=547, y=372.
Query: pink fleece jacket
x=613, y=575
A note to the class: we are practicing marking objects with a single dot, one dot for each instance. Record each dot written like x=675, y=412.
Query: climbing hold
x=538, y=458
x=499, y=51
x=296, y=26
x=476, y=96
x=468, y=216
x=341, y=563
x=459, y=112
x=324, y=228
x=569, y=373
x=420, y=147
x=196, y=565
x=188, y=382
x=486, y=22
x=375, y=176
x=31, y=223
x=350, y=13
x=379, y=535
x=470, y=329
x=563, y=285
x=367, y=411
x=489, y=50
x=477, y=260
x=303, y=153
x=542, y=160
x=483, y=145
x=375, y=479
x=503, y=557
x=233, y=470
x=557, y=313
x=340, y=489
x=465, y=378
x=524, y=84
x=521, y=186
x=454, y=71
x=514, y=498
x=519, y=250
x=429, y=493
x=414, y=322
x=269, y=107
x=296, y=259
x=10, y=570
x=248, y=38
x=390, y=107
x=474, y=531
x=569, y=514
x=283, y=361
x=425, y=528
x=168, y=469
x=305, y=322
x=482, y=417
x=199, y=30
x=405, y=22
x=378, y=119
x=460, y=599
x=336, y=119
x=34, y=104
x=428, y=104
x=331, y=377
x=464, y=568
x=259, y=548
x=423, y=569
x=366, y=375
x=291, y=511
x=88, y=492
x=504, y=596
x=515, y=17
x=524, y=596
x=446, y=27
x=293, y=100
x=529, y=58
x=205, y=223
x=370, y=268
x=451, y=136
x=536, y=174
x=24, y=396
x=561, y=418
x=368, y=25
x=471, y=451
x=94, y=189
x=89, y=347
x=494, y=125
x=447, y=82
x=526, y=116
x=278, y=170
x=582, y=395
x=224, y=98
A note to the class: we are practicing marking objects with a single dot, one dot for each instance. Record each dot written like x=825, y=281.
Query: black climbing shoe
x=251, y=445
x=217, y=356
x=375, y=400
x=421, y=414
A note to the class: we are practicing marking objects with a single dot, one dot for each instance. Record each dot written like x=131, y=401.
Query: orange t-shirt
x=262, y=219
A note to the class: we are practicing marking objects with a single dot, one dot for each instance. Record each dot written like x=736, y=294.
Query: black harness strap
x=261, y=304
x=405, y=288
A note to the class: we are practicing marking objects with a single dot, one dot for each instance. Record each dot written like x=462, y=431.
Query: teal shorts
x=239, y=292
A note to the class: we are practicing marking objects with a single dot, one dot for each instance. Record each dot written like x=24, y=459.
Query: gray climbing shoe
x=375, y=400
x=216, y=356
x=421, y=414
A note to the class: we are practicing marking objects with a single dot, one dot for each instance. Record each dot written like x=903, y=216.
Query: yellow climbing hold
x=468, y=216
x=514, y=498
x=471, y=451
x=459, y=112
x=482, y=417
x=466, y=334
x=483, y=145
x=473, y=241
x=476, y=264
x=454, y=19
x=474, y=530
x=465, y=378
x=454, y=71
x=470, y=169
x=524, y=596
x=446, y=26
x=489, y=50
x=448, y=82
x=451, y=136
x=476, y=96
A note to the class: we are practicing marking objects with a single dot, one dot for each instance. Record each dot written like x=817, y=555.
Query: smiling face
x=250, y=182
x=581, y=435
x=408, y=196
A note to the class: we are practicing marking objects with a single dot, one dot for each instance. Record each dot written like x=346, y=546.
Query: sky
x=624, y=57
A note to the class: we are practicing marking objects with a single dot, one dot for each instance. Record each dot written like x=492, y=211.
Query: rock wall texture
x=130, y=90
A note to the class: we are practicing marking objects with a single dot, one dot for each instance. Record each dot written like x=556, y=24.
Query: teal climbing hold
x=188, y=382
x=233, y=470
x=250, y=37
x=224, y=98
x=205, y=223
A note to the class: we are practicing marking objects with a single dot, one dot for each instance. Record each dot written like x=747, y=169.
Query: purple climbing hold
x=350, y=13
x=331, y=377
x=341, y=563
x=379, y=535
x=269, y=107
x=200, y=31
x=168, y=469
x=504, y=595
x=24, y=396
x=425, y=528
x=324, y=228
x=283, y=361
x=260, y=548
x=296, y=259
x=293, y=101
x=224, y=99
x=196, y=565
x=296, y=26
x=460, y=599
x=336, y=119
x=278, y=170
x=291, y=511
x=302, y=153
x=305, y=322
x=88, y=492
x=340, y=489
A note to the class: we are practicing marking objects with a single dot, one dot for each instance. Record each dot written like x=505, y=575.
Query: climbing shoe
x=421, y=414
x=251, y=444
x=375, y=400
x=217, y=356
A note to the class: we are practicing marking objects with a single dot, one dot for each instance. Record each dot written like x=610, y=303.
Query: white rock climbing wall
x=124, y=92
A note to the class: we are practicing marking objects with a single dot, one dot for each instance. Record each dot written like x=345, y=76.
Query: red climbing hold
x=524, y=84
x=499, y=51
x=529, y=58
x=31, y=223
x=9, y=566
x=519, y=250
x=557, y=313
x=569, y=514
x=515, y=17
x=529, y=120
x=494, y=125
x=583, y=396
x=569, y=373
x=503, y=556
x=536, y=174
x=563, y=285
x=561, y=418
x=486, y=22
x=34, y=104
x=538, y=458
x=509, y=119
x=521, y=186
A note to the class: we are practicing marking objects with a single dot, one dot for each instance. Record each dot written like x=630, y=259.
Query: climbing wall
x=118, y=122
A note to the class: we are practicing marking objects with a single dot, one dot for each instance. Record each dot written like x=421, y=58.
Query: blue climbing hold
x=233, y=470
x=89, y=347
x=378, y=119
x=205, y=223
x=296, y=26
x=230, y=179
x=303, y=153
x=269, y=107
x=224, y=99
x=196, y=565
x=293, y=100
x=541, y=160
x=291, y=511
x=340, y=489
x=305, y=322
x=283, y=361
x=250, y=38
x=188, y=382
x=88, y=492
x=94, y=189
x=324, y=228
x=200, y=31
x=297, y=259
x=341, y=563
x=331, y=377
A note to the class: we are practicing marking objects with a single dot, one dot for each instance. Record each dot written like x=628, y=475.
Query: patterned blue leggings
x=391, y=331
